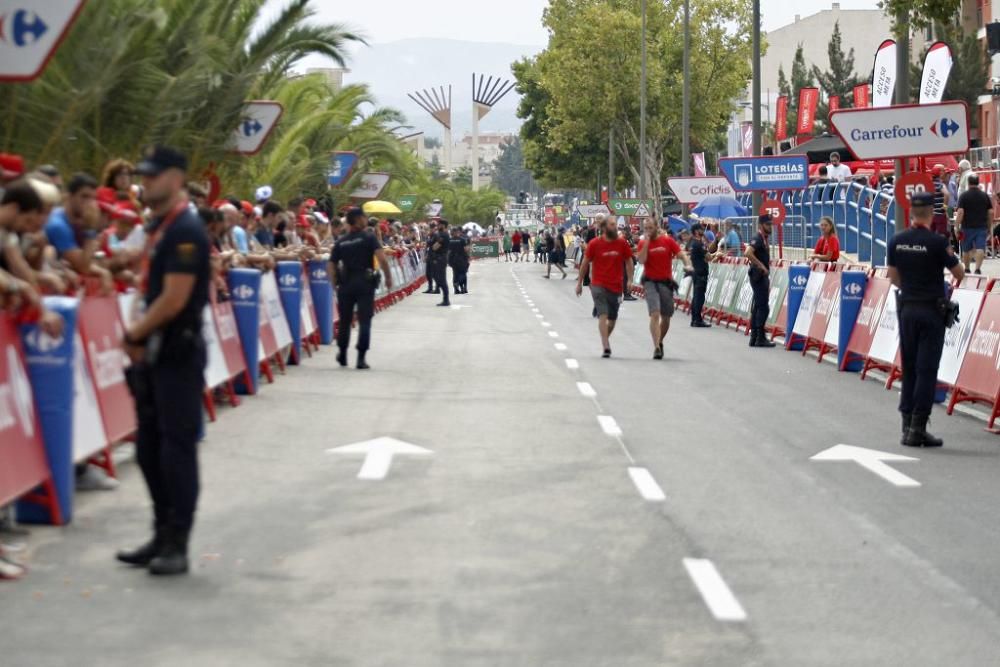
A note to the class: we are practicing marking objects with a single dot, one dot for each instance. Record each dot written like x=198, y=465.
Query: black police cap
x=764, y=219
x=696, y=227
x=920, y=199
x=355, y=213
x=157, y=159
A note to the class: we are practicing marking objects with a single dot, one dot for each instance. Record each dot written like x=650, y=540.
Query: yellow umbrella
x=380, y=208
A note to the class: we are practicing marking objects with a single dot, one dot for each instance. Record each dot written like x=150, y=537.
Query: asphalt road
x=573, y=511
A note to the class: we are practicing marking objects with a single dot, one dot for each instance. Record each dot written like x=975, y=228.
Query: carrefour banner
x=244, y=286
x=884, y=74
x=322, y=295
x=290, y=289
x=937, y=68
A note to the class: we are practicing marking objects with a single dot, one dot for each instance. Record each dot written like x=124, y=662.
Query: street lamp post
x=686, y=110
x=642, y=111
x=756, y=94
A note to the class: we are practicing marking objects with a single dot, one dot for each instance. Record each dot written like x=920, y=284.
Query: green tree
x=510, y=174
x=919, y=13
x=839, y=79
x=463, y=176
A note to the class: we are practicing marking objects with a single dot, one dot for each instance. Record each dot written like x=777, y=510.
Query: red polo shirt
x=828, y=246
x=608, y=261
x=660, y=259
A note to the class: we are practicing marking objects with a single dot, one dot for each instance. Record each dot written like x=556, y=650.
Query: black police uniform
x=429, y=268
x=353, y=258
x=761, y=286
x=439, y=262
x=920, y=256
x=458, y=258
x=168, y=386
x=699, y=280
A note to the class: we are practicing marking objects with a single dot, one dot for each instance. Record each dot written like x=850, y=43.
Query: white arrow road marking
x=609, y=425
x=647, y=486
x=554, y=334
x=379, y=454
x=714, y=591
x=872, y=460
x=572, y=364
x=561, y=347
x=460, y=306
x=586, y=389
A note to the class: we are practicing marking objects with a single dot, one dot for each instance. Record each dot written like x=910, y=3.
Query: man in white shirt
x=836, y=171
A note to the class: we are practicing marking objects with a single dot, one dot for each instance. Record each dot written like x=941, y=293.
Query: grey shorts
x=659, y=298
x=606, y=302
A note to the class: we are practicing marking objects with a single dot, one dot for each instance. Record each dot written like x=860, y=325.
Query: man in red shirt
x=656, y=254
x=606, y=253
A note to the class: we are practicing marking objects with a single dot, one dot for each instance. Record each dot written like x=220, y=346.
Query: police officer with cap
x=428, y=265
x=356, y=279
x=438, y=258
x=168, y=358
x=917, y=259
x=759, y=254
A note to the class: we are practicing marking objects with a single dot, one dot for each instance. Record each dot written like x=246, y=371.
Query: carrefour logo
x=799, y=280
x=38, y=341
x=23, y=27
x=288, y=280
x=945, y=127
x=244, y=292
x=852, y=288
x=319, y=274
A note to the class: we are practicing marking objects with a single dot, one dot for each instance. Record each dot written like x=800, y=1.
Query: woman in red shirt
x=828, y=247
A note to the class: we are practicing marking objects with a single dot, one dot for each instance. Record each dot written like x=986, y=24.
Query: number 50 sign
x=907, y=186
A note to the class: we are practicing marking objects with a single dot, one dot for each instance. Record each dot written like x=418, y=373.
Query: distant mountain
x=394, y=69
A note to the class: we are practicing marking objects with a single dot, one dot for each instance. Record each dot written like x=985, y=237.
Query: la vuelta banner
x=862, y=96
x=808, y=100
x=884, y=75
x=834, y=103
x=781, y=119
x=937, y=67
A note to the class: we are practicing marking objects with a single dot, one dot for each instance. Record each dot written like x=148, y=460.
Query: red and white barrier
x=978, y=379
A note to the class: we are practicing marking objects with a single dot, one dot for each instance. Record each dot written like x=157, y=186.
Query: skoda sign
x=904, y=131
x=779, y=172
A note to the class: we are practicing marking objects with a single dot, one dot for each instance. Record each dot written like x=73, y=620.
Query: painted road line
x=554, y=334
x=534, y=310
x=546, y=324
x=586, y=389
x=572, y=364
x=719, y=599
x=872, y=460
x=540, y=316
x=609, y=425
x=561, y=347
x=647, y=486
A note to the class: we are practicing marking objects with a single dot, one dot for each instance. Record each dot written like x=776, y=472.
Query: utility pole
x=686, y=110
x=902, y=86
x=611, y=163
x=756, y=94
x=642, y=111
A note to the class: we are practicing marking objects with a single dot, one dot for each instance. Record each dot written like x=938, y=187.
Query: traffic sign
x=909, y=185
x=371, y=186
x=434, y=210
x=256, y=124
x=628, y=206
x=641, y=211
x=407, y=203
x=909, y=130
x=778, y=172
x=696, y=190
x=592, y=210
x=30, y=33
x=775, y=208
x=342, y=165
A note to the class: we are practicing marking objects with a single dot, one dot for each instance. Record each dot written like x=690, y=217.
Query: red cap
x=247, y=207
x=219, y=203
x=938, y=169
x=11, y=166
x=311, y=203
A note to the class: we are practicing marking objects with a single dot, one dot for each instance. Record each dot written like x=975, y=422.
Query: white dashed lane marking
x=586, y=389
x=572, y=364
x=561, y=347
x=554, y=334
x=609, y=425
x=719, y=599
x=647, y=486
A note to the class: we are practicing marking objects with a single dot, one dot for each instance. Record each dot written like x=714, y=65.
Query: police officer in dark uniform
x=458, y=259
x=917, y=259
x=428, y=265
x=438, y=258
x=759, y=254
x=699, y=275
x=168, y=360
x=354, y=275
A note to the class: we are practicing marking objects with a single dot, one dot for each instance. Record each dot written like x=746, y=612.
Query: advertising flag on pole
x=699, y=164
x=937, y=67
x=834, y=103
x=808, y=99
x=781, y=119
x=862, y=96
x=747, y=139
x=884, y=75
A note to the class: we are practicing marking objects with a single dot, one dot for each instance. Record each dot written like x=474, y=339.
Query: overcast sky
x=510, y=21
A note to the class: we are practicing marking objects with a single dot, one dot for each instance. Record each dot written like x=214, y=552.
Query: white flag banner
x=937, y=67
x=884, y=75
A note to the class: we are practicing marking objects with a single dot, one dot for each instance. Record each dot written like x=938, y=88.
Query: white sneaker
x=95, y=479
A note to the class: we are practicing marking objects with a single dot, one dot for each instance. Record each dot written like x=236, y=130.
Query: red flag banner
x=808, y=99
x=699, y=164
x=781, y=119
x=834, y=103
x=862, y=96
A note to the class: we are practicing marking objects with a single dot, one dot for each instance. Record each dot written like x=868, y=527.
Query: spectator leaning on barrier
x=72, y=230
x=168, y=358
x=828, y=246
x=973, y=217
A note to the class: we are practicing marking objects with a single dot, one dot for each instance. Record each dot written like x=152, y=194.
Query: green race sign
x=627, y=206
x=483, y=249
x=407, y=203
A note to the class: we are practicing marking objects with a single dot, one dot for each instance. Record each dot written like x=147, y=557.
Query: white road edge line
x=572, y=364
x=554, y=334
x=719, y=599
x=586, y=389
x=609, y=425
x=561, y=347
x=546, y=324
x=534, y=310
x=647, y=486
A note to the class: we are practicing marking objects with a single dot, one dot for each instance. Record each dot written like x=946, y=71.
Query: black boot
x=917, y=435
x=342, y=356
x=362, y=366
x=142, y=556
x=753, y=338
x=762, y=340
x=173, y=557
x=907, y=419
